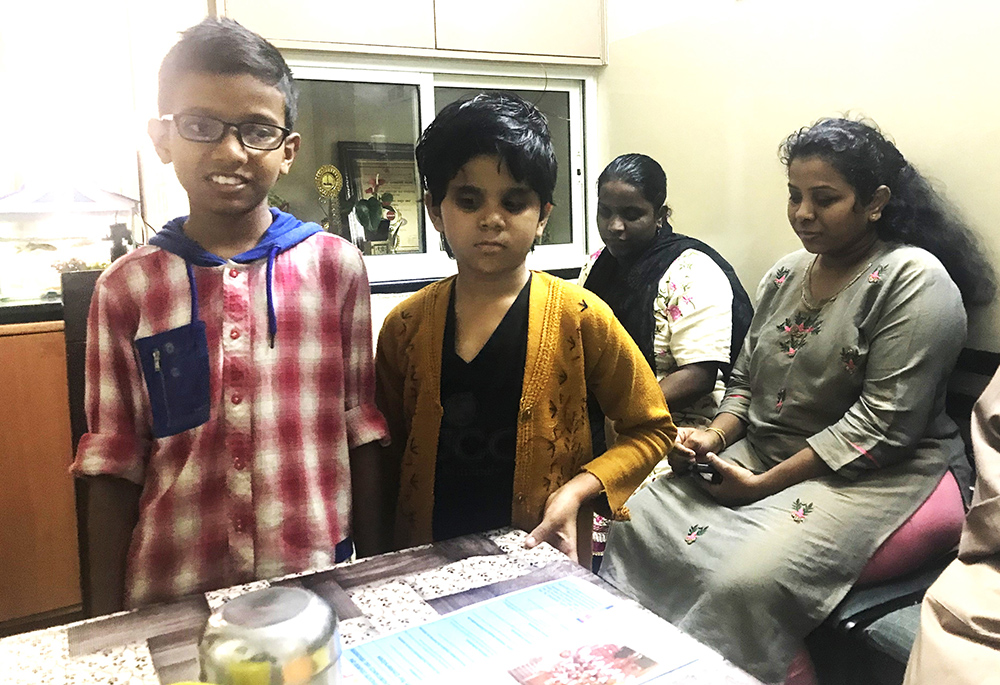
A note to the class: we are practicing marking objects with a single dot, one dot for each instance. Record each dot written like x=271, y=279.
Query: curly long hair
x=916, y=214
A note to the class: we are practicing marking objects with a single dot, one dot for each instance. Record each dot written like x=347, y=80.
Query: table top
x=157, y=645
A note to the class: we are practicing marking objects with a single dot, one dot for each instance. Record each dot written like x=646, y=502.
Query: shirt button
x=235, y=333
x=520, y=497
x=240, y=463
x=236, y=398
x=233, y=273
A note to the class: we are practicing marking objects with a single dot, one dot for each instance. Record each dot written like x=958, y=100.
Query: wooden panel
x=39, y=564
x=571, y=28
x=394, y=23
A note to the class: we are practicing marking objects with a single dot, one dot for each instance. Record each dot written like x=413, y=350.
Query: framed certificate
x=388, y=172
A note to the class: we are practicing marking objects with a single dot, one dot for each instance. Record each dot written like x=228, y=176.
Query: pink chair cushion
x=932, y=530
x=801, y=670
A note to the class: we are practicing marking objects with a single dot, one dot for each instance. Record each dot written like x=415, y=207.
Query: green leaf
x=374, y=211
x=386, y=199
x=361, y=211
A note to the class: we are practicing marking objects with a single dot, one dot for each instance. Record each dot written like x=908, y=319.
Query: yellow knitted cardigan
x=574, y=343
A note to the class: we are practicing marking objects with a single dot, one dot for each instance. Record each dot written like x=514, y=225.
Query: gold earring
x=875, y=217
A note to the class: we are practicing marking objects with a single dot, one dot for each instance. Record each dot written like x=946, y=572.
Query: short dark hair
x=916, y=213
x=223, y=46
x=492, y=123
x=641, y=172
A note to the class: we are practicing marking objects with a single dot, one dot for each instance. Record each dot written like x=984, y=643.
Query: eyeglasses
x=202, y=129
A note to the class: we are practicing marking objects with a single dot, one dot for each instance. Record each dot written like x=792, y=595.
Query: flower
x=800, y=510
x=693, y=533
x=373, y=185
x=675, y=312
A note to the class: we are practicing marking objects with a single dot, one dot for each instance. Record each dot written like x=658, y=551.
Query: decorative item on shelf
x=73, y=265
x=384, y=201
x=375, y=214
x=329, y=182
x=45, y=227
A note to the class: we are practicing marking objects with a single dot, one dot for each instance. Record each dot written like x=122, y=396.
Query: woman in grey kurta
x=834, y=416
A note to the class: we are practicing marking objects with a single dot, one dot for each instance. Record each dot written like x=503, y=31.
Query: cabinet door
x=566, y=28
x=392, y=23
x=39, y=564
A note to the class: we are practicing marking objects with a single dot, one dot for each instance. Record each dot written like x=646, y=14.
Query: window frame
x=426, y=75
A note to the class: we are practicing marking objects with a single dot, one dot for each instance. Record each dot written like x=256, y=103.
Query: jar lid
x=277, y=635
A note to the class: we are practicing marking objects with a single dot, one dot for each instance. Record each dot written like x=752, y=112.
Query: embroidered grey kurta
x=860, y=378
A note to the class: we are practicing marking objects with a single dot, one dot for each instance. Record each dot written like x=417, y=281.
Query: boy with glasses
x=230, y=396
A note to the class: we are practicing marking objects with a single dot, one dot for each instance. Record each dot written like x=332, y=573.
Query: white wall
x=710, y=88
x=79, y=82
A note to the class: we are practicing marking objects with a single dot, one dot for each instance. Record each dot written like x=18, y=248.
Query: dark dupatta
x=630, y=291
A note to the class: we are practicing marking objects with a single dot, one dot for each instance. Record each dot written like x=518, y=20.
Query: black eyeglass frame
x=226, y=125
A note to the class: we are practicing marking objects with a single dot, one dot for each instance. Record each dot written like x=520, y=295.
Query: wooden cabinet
x=39, y=562
x=555, y=31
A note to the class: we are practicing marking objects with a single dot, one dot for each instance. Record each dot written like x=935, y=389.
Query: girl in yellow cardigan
x=483, y=377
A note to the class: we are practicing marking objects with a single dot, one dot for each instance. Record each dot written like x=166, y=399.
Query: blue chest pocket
x=175, y=366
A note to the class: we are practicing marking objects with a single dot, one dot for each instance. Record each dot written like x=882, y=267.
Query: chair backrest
x=972, y=374
x=77, y=289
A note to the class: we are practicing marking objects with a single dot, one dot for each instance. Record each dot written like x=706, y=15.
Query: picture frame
x=376, y=169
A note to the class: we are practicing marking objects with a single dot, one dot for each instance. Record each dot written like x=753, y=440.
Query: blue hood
x=284, y=233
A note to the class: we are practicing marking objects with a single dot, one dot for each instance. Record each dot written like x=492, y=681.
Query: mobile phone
x=708, y=472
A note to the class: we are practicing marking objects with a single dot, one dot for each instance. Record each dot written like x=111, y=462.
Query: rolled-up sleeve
x=364, y=421
x=118, y=440
x=912, y=348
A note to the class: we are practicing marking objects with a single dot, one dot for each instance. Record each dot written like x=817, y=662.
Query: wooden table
x=157, y=645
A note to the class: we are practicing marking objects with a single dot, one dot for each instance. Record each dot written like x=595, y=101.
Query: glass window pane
x=360, y=135
x=555, y=106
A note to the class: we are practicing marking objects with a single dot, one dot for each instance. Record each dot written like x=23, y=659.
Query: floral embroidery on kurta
x=676, y=301
x=780, y=275
x=876, y=275
x=850, y=356
x=800, y=510
x=693, y=534
x=797, y=332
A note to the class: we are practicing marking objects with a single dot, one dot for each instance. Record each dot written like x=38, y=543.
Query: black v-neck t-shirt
x=474, y=477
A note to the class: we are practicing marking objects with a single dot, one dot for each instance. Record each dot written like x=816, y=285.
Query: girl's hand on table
x=558, y=526
x=738, y=486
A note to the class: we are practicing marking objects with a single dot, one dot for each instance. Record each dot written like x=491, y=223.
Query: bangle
x=722, y=436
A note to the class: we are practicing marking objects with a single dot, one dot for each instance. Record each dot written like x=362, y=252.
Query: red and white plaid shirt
x=263, y=488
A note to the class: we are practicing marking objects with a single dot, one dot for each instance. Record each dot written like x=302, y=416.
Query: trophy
x=329, y=181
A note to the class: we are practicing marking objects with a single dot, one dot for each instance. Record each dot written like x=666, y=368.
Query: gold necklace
x=813, y=305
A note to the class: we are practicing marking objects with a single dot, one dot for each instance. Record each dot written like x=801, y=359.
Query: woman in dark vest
x=678, y=298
